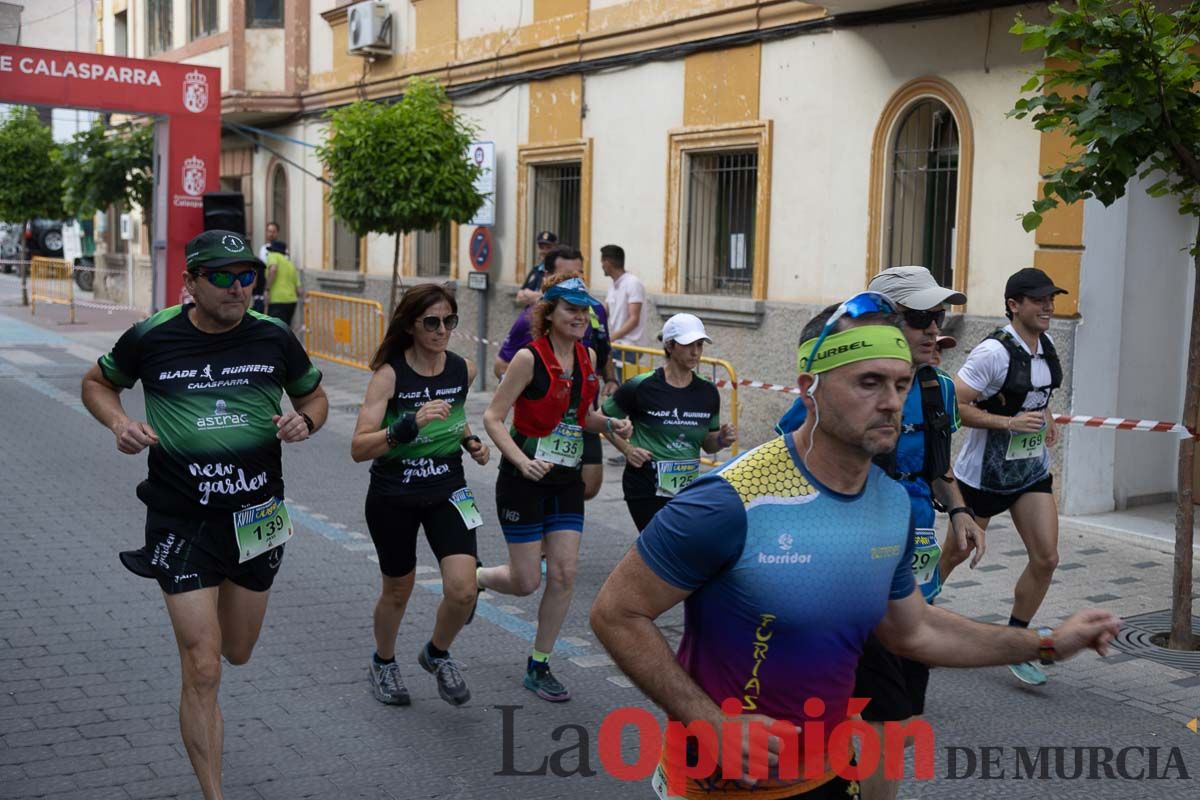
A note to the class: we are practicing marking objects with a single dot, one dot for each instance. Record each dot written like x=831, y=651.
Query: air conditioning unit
x=369, y=29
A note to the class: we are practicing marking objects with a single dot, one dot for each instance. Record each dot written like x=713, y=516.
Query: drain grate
x=1135, y=635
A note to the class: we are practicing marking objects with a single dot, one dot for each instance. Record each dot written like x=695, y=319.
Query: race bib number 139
x=261, y=528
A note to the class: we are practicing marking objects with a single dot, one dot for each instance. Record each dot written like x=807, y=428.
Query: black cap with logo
x=547, y=237
x=216, y=248
x=1030, y=282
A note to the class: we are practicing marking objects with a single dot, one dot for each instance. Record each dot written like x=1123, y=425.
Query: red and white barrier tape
x=1115, y=423
x=473, y=338
x=1121, y=424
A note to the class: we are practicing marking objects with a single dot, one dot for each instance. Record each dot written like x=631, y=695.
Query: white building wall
x=320, y=38
x=264, y=56
x=629, y=173
x=1154, y=323
x=478, y=17
x=1089, y=456
x=504, y=121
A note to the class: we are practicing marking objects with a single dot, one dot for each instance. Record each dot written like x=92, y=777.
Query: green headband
x=855, y=344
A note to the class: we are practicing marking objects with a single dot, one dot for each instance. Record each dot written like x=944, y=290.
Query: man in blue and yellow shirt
x=786, y=559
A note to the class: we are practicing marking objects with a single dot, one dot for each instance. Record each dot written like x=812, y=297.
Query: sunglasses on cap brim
x=860, y=305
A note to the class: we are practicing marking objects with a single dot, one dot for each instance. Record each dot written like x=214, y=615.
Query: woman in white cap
x=675, y=414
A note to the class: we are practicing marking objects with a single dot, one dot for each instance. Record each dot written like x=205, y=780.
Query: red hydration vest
x=537, y=418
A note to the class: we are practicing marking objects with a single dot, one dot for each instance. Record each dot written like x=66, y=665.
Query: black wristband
x=471, y=438
x=961, y=510
x=403, y=430
x=308, y=421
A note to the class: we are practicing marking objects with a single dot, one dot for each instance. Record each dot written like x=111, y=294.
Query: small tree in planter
x=402, y=167
x=1125, y=94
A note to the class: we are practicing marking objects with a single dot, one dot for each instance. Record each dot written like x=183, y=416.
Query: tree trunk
x=395, y=275
x=1181, y=582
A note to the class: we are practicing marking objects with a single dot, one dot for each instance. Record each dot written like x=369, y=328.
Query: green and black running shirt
x=669, y=421
x=430, y=466
x=210, y=398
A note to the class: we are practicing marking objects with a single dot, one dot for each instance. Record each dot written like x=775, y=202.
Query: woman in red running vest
x=549, y=386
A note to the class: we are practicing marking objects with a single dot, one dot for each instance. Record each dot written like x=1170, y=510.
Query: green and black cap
x=217, y=248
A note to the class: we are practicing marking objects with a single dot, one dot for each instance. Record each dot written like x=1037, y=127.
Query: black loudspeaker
x=225, y=211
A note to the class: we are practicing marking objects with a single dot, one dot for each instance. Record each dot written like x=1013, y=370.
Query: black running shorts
x=988, y=504
x=394, y=522
x=895, y=686
x=190, y=553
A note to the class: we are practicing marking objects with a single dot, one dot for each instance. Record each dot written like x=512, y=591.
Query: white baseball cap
x=914, y=287
x=685, y=329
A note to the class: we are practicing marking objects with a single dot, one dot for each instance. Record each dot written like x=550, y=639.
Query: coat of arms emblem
x=194, y=176
x=195, y=91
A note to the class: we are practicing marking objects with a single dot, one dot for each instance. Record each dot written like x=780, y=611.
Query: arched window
x=278, y=210
x=920, y=183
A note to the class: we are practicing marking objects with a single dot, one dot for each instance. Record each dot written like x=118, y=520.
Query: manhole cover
x=1137, y=631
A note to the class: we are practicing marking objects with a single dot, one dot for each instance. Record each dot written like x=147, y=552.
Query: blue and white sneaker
x=1028, y=672
x=540, y=681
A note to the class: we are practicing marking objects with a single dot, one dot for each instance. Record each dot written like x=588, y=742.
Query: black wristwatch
x=467, y=439
x=961, y=510
x=308, y=421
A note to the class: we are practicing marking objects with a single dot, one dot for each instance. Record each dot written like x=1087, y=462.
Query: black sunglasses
x=919, y=320
x=431, y=323
x=223, y=278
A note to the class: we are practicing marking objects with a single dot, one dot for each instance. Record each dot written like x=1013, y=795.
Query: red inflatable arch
x=184, y=99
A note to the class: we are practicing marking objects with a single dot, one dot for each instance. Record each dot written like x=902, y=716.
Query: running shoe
x=541, y=681
x=451, y=686
x=1028, y=672
x=475, y=605
x=387, y=684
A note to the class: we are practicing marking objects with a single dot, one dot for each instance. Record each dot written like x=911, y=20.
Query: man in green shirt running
x=213, y=374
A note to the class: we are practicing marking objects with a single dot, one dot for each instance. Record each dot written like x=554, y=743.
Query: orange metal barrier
x=345, y=330
x=51, y=280
x=648, y=358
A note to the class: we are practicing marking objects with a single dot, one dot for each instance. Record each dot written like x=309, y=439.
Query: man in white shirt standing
x=1004, y=391
x=272, y=235
x=626, y=301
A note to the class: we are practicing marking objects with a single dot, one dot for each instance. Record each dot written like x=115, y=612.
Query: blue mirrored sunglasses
x=860, y=305
x=223, y=278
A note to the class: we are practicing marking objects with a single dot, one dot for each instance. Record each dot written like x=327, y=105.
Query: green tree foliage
x=31, y=168
x=107, y=166
x=402, y=167
x=1123, y=89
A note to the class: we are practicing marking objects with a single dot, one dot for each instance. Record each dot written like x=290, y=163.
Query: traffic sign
x=483, y=155
x=481, y=248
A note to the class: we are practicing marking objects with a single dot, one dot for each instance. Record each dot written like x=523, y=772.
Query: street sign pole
x=481, y=259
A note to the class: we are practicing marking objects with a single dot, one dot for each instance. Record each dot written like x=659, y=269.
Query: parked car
x=44, y=237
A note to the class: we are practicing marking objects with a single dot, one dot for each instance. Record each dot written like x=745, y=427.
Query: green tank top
x=431, y=464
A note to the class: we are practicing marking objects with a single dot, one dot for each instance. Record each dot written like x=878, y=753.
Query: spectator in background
x=283, y=283
x=625, y=302
x=531, y=291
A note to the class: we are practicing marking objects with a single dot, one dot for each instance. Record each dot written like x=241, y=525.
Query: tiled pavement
x=88, y=686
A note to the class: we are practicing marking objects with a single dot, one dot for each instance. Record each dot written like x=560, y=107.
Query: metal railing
x=52, y=280
x=344, y=330
x=643, y=359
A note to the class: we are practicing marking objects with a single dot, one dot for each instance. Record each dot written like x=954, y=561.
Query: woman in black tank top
x=413, y=425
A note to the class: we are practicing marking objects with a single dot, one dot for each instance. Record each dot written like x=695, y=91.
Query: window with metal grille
x=923, y=191
x=279, y=200
x=719, y=222
x=202, y=18
x=345, y=246
x=431, y=254
x=264, y=13
x=556, y=192
x=158, y=26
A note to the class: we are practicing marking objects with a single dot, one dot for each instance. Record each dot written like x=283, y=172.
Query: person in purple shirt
x=567, y=259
